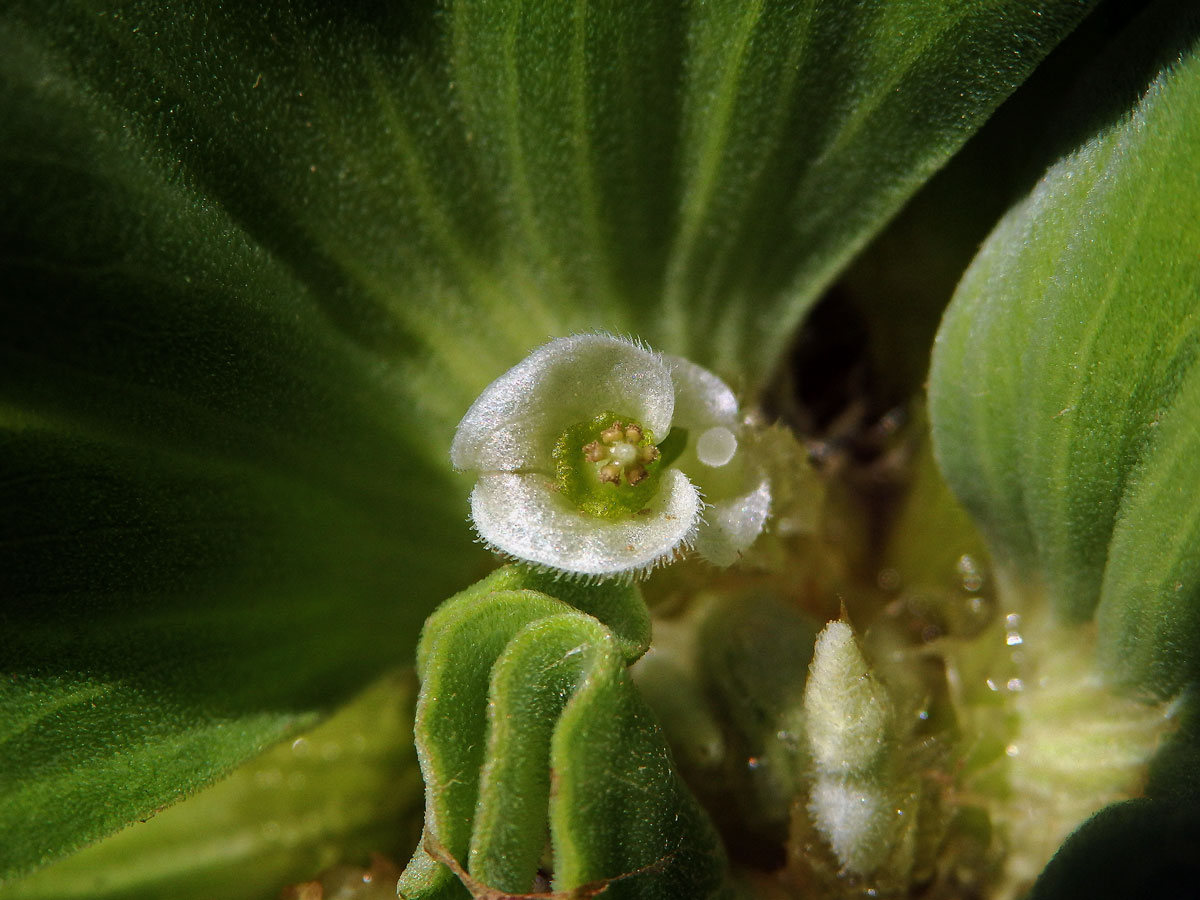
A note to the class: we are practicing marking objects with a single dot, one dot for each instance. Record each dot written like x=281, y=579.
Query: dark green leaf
x=168, y=616
x=1140, y=848
x=257, y=262
x=806, y=126
x=217, y=517
x=346, y=789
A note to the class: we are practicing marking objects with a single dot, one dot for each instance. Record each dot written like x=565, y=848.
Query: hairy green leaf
x=213, y=523
x=806, y=126
x=529, y=729
x=1065, y=389
x=346, y=789
x=258, y=262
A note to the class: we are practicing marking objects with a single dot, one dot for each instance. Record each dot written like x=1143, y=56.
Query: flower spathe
x=599, y=457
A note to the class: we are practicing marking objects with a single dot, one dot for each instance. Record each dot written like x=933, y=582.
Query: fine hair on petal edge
x=625, y=576
x=627, y=337
x=518, y=520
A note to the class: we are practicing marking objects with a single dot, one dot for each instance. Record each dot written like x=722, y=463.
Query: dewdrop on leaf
x=598, y=457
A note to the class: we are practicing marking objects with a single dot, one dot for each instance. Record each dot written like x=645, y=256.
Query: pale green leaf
x=1065, y=393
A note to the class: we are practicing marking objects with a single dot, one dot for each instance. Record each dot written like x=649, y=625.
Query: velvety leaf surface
x=805, y=127
x=1140, y=848
x=1065, y=394
x=708, y=219
x=212, y=523
x=346, y=789
x=258, y=262
x=528, y=724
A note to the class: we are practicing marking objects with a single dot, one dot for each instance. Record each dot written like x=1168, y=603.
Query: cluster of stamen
x=618, y=453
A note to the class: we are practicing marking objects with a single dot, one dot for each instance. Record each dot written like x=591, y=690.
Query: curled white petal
x=510, y=433
x=522, y=515
x=515, y=422
x=732, y=524
x=701, y=398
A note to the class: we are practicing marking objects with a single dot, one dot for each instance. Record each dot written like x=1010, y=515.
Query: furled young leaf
x=258, y=262
x=528, y=725
x=1065, y=389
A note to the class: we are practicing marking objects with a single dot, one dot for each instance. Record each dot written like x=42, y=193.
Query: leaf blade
x=1071, y=343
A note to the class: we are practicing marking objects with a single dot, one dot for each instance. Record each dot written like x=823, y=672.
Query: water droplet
x=716, y=446
x=301, y=747
x=1015, y=684
x=969, y=573
x=1011, y=750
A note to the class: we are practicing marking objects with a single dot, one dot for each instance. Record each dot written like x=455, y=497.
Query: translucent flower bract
x=598, y=457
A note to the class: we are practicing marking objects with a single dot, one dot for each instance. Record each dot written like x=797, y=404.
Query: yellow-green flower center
x=608, y=467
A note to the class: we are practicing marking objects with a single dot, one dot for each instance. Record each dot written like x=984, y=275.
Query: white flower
x=598, y=457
